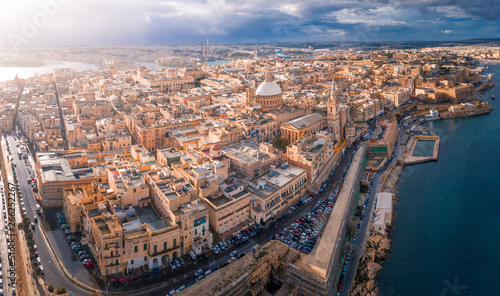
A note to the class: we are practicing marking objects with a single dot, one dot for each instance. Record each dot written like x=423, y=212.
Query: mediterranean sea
x=446, y=239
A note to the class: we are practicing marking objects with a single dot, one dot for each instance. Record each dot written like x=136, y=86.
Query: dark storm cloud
x=97, y=22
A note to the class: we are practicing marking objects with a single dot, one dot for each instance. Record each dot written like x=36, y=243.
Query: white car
x=172, y=264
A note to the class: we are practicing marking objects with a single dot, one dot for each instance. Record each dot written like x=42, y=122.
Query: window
x=145, y=246
x=132, y=261
x=145, y=258
x=155, y=249
x=175, y=242
x=164, y=245
x=135, y=249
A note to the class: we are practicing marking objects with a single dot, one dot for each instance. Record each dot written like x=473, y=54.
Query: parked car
x=89, y=264
x=172, y=264
x=198, y=272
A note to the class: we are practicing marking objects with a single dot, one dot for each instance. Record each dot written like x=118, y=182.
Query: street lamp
x=107, y=286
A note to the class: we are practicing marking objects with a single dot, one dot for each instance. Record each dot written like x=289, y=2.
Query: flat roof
x=149, y=216
x=384, y=200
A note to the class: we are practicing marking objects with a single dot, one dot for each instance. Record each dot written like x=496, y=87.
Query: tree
x=352, y=226
x=281, y=142
x=60, y=290
x=51, y=289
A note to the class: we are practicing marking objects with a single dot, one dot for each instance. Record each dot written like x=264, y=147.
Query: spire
x=333, y=93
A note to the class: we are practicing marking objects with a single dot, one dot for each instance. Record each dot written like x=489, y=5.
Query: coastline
x=379, y=246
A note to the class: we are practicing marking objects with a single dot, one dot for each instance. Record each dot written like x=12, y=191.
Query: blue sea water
x=424, y=148
x=446, y=239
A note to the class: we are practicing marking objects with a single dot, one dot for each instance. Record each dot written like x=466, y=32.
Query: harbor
x=439, y=224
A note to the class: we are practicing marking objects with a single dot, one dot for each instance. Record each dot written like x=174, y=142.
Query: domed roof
x=268, y=88
x=216, y=147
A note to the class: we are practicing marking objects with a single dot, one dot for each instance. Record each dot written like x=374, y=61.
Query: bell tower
x=333, y=116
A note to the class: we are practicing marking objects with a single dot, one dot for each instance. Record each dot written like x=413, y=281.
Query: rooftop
x=306, y=121
x=149, y=216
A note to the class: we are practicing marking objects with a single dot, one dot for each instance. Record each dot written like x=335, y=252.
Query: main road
x=53, y=275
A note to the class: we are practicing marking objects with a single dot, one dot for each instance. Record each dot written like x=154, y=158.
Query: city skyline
x=30, y=23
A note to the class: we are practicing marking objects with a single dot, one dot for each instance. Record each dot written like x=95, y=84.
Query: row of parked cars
x=131, y=278
x=240, y=238
x=176, y=263
x=368, y=196
x=200, y=274
x=342, y=276
x=304, y=231
x=82, y=255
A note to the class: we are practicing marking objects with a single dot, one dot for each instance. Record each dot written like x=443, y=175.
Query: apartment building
x=311, y=153
x=251, y=159
x=274, y=193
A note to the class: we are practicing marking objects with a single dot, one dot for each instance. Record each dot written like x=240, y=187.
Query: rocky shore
x=378, y=246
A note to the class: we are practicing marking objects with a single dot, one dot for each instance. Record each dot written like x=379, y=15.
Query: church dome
x=216, y=147
x=268, y=87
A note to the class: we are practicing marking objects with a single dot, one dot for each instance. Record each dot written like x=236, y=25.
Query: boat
x=493, y=96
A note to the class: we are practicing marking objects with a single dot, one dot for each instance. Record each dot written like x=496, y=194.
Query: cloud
x=114, y=22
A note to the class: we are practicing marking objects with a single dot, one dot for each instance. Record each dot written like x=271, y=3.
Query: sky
x=34, y=23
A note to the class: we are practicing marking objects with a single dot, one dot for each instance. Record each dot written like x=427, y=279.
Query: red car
x=113, y=280
x=89, y=264
x=122, y=280
x=133, y=277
